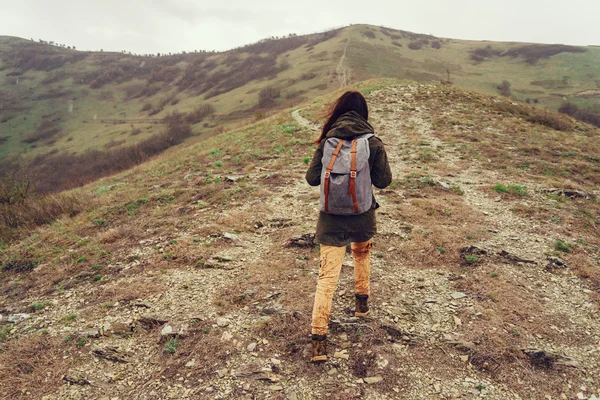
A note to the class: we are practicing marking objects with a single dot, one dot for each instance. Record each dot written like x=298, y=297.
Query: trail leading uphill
x=206, y=290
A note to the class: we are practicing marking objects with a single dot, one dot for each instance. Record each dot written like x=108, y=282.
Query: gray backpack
x=346, y=176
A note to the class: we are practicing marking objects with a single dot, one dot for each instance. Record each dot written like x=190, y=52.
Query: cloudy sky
x=144, y=26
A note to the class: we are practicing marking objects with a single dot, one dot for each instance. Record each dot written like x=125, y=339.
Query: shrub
x=534, y=52
x=534, y=115
x=199, y=114
x=15, y=188
x=267, y=96
x=416, y=45
x=574, y=111
x=369, y=34
x=504, y=88
x=562, y=246
x=436, y=44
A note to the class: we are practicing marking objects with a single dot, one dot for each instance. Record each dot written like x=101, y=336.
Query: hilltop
x=192, y=275
x=58, y=104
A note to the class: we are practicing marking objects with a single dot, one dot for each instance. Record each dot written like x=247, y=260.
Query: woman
x=347, y=121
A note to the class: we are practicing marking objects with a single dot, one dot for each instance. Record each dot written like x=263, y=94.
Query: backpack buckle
x=353, y=174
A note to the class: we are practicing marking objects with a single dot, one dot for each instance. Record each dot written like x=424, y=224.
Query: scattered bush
x=531, y=53
x=534, y=52
x=416, y=45
x=307, y=76
x=574, y=111
x=199, y=114
x=267, y=96
x=15, y=188
x=369, y=34
x=436, y=44
x=504, y=88
x=534, y=115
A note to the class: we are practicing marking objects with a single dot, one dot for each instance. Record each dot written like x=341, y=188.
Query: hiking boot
x=319, y=348
x=362, y=307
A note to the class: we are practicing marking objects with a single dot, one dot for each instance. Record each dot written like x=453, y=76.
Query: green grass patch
x=563, y=246
x=510, y=189
x=171, y=346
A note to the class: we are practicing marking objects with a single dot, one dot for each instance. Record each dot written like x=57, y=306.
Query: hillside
x=185, y=278
x=58, y=102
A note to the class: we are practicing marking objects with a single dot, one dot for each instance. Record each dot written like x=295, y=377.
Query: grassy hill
x=57, y=102
x=180, y=278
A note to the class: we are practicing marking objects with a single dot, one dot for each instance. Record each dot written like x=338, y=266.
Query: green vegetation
x=39, y=305
x=563, y=246
x=471, y=259
x=171, y=346
x=510, y=189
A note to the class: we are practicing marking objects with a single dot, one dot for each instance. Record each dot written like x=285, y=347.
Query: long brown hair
x=349, y=101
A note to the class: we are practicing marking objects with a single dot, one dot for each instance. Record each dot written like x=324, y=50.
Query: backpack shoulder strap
x=352, y=189
x=328, y=173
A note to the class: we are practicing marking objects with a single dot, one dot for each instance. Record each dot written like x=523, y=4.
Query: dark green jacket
x=340, y=230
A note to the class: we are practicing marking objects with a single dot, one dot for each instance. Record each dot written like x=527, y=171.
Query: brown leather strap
x=352, y=190
x=328, y=173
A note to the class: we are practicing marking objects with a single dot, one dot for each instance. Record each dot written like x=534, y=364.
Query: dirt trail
x=342, y=71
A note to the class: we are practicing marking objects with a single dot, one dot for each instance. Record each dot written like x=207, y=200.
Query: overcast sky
x=175, y=25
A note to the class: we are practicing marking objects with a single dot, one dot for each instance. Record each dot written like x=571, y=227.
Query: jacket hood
x=349, y=125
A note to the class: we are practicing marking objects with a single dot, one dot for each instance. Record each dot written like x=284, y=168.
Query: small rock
x=275, y=361
x=373, y=379
x=343, y=356
x=275, y=388
x=232, y=178
x=222, y=372
x=222, y=322
x=437, y=387
x=190, y=364
x=251, y=347
x=226, y=336
x=458, y=295
x=166, y=330
x=464, y=358
x=231, y=236
x=457, y=320
x=94, y=333
x=15, y=318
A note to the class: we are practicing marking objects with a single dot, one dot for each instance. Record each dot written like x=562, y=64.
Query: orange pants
x=329, y=273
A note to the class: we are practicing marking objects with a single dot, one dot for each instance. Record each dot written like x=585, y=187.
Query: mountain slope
x=61, y=101
x=465, y=273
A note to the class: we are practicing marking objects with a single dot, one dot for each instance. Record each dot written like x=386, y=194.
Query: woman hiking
x=348, y=160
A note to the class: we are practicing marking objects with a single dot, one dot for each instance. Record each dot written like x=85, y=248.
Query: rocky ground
x=471, y=297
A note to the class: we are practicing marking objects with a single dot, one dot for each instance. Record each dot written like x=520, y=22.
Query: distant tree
x=504, y=88
x=74, y=48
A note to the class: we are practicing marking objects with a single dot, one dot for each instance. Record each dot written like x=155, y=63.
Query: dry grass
x=33, y=367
